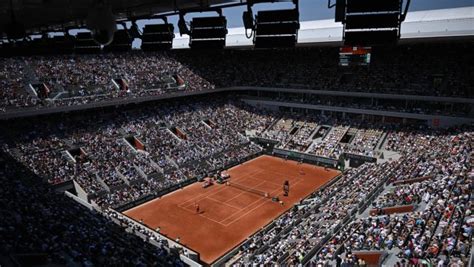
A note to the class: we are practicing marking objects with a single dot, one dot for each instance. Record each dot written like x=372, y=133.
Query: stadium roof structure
x=50, y=13
x=439, y=23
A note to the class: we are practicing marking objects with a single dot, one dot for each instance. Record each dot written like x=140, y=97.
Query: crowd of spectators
x=280, y=131
x=447, y=190
x=329, y=146
x=364, y=141
x=439, y=231
x=234, y=156
x=184, y=141
x=44, y=227
x=320, y=215
x=181, y=142
x=325, y=135
x=409, y=194
x=80, y=79
x=405, y=69
x=12, y=85
x=301, y=139
x=190, y=139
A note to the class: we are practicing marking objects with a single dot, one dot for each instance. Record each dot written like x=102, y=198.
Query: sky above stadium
x=313, y=10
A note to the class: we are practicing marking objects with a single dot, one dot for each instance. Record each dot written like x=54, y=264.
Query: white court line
x=243, y=191
x=240, y=208
x=213, y=193
x=204, y=195
x=220, y=202
x=202, y=215
x=262, y=181
x=227, y=204
x=246, y=176
x=250, y=204
x=208, y=218
x=251, y=209
x=263, y=202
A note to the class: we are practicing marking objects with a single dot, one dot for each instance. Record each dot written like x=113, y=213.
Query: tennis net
x=248, y=189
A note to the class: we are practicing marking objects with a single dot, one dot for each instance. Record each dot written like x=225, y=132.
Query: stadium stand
x=391, y=70
x=437, y=231
x=41, y=226
x=416, y=69
x=404, y=197
x=184, y=140
x=113, y=172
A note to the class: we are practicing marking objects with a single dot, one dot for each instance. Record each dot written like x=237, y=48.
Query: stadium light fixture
x=204, y=32
x=276, y=28
x=158, y=36
x=370, y=22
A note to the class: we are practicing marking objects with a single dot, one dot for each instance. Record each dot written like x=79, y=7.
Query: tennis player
x=197, y=208
x=286, y=188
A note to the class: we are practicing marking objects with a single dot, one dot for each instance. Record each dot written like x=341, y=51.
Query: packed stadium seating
x=41, y=227
x=184, y=139
x=114, y=173
x=74, y=80
x=409, y=69
x=436, y=231
x=413, y=201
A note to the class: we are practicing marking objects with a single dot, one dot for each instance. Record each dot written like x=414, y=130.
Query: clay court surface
x=229, y=215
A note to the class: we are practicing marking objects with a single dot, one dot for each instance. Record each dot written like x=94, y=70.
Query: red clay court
x=229, y=215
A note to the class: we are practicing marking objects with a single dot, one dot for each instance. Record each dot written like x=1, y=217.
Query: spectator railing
x=412, y=180
x=305, y=157
x=392, y=210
